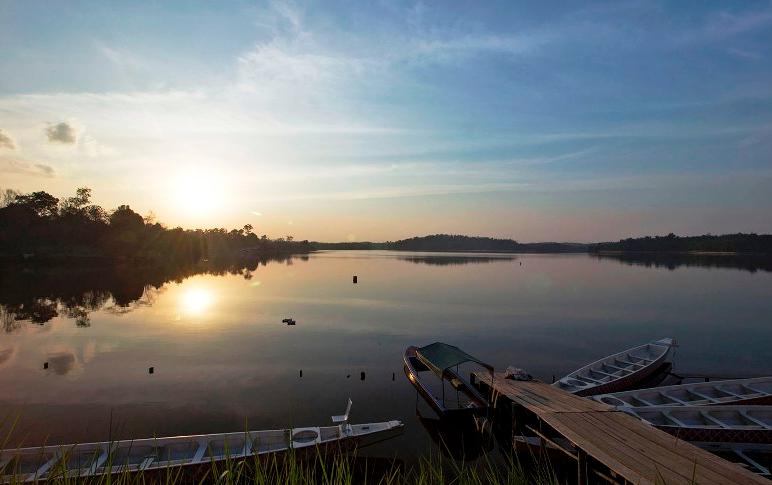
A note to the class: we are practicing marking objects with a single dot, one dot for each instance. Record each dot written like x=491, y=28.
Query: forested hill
x=449, y=243
x=446, y=242
x=727, y=243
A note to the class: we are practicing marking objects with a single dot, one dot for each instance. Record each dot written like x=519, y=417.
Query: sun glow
x=197, y=194
x=196, y=301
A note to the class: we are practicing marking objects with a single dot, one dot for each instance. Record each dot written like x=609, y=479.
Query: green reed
x=319, y=468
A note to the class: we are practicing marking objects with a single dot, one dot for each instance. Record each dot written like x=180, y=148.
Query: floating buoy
x=393, y=376
x=301, y=372
x=348, y=376
x=151, y=370
x=355, y=279
x=361, y=376
x=45, y=365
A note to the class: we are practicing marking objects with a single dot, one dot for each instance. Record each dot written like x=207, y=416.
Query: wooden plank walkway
x=630, y=450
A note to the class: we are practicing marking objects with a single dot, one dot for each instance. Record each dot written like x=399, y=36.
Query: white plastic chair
x=342, y=420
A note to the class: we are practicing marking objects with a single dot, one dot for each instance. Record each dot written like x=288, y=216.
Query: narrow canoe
x=92, y=459
x=727, y=424
x=757, y=390
x=620, y=371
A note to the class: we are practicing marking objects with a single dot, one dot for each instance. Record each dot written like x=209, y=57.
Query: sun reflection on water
x=196, y=301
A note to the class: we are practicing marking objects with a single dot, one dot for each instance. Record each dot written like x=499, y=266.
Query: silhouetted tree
x=42, y=204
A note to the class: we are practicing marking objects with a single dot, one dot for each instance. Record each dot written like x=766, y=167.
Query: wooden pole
x=581, y=467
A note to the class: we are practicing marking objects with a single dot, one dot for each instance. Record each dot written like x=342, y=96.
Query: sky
x=354, y=120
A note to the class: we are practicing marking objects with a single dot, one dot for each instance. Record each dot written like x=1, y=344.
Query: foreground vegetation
x=41, y=226
x=341, y=469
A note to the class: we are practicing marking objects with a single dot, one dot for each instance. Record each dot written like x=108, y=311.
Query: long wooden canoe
x=757, y=390
x=620, y=371
x=729, y=424
x=90, y=459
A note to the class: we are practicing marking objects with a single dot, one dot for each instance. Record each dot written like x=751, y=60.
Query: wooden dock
x=607, y=443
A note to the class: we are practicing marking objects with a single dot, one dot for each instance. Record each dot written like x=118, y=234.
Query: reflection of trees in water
x=10, y=323
x=442, y=260
x=672, y=261
x=37, y=295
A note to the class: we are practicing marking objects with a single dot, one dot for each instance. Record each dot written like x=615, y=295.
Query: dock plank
x=632, y=449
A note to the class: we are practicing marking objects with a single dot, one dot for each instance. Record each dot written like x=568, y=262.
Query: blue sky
x=380, y=120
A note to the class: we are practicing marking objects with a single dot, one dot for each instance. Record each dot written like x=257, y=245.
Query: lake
x=77, y=344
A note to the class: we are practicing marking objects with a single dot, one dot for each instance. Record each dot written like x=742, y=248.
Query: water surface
x=223, y=360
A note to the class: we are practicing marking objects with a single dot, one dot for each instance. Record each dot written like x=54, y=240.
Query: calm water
x=224, y=360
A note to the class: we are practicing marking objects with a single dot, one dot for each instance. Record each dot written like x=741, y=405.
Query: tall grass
x=320, y=468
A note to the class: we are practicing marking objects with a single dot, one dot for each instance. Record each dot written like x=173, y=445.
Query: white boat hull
x=89, y=459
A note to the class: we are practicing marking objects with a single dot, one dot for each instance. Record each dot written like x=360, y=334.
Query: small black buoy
x=393, y=376
x=151, y=370
x=361, y=376
x=45, y=365
x=301, y=372
x=521, y=263
x=355, y=279
x=348, y=376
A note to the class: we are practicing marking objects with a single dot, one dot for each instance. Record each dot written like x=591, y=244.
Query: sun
x=196, y=194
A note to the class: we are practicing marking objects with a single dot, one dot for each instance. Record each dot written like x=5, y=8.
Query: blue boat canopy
x=439, y=357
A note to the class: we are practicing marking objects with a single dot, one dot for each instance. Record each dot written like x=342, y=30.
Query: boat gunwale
x=696, y=388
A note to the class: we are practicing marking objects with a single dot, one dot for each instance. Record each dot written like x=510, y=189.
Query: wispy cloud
x=459, y=48
x=121, y=58
x=11, y=165
x=745, y=54
x=726, y=24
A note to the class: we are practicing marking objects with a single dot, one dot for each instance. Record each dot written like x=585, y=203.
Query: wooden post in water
x=355, y=279
x=581, y=467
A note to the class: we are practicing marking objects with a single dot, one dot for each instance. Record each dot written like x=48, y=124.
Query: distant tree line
x=41, y=226
x=458, y=243
x=727, y=243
